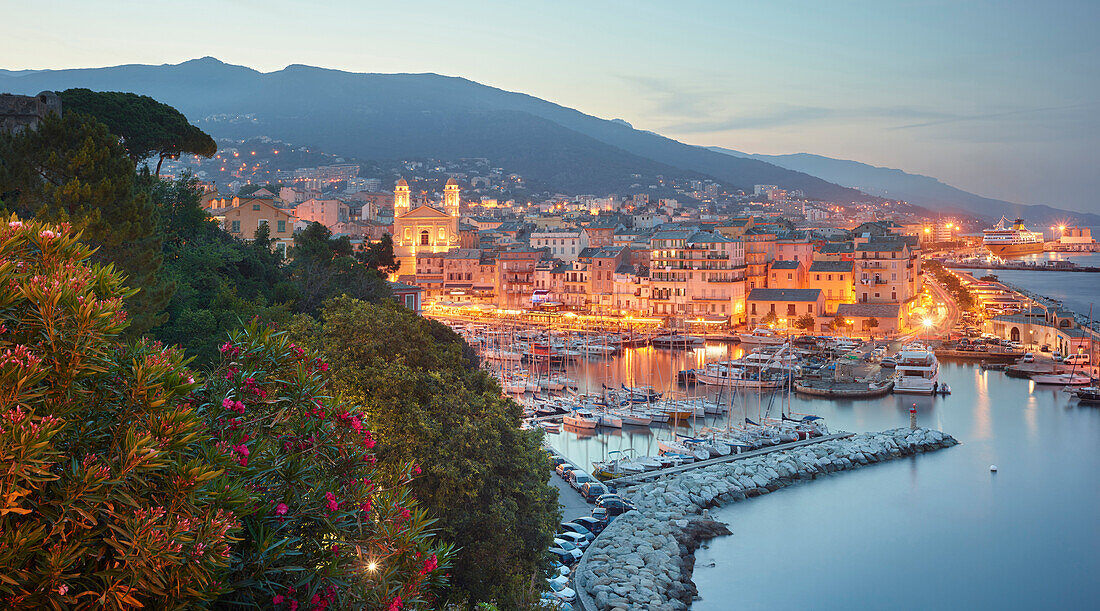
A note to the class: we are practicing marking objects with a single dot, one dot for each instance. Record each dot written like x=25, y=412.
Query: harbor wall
x=645, y=558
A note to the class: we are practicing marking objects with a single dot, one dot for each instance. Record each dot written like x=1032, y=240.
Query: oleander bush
x=324, y=525
x=107, y=499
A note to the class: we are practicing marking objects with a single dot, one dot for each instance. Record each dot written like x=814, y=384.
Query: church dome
x=402, y=183
x=452, y=181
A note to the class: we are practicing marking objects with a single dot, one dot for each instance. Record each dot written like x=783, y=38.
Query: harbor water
x=937, y=530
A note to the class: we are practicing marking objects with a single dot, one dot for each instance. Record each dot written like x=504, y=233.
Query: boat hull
x=1015, y=250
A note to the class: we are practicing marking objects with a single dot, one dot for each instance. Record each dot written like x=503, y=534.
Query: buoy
x=993, y=468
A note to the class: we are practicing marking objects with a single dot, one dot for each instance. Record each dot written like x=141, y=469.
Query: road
x=571, y=502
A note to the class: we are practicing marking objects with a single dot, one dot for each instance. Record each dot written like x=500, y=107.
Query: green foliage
x=323, y=266
x=806, y=322
x=484, y=478
x=106, y=500
x=379, y=256
x=147, y=127
x=770, y=318
x=324, y=524
x=72, y=169
x=221, y=282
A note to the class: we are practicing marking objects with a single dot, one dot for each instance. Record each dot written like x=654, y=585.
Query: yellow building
x=424, y=229
x=241, y=217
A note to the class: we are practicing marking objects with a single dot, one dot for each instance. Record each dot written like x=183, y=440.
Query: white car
x=577, y=539
x=562, y=592
x=560, y=568
x=569, y=547
x=561, y=580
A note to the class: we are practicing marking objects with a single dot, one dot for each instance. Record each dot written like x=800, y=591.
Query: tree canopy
x=148, y=128
x=483, y=477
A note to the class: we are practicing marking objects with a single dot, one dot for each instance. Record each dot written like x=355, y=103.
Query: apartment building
x=835, y=279
x=515, y=277
x=885, y=271
x=787, y=275
x=247, y=215
x=696, y=273
x=562, y=244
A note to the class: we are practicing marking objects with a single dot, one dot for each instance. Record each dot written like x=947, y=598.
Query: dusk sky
x=999, y=97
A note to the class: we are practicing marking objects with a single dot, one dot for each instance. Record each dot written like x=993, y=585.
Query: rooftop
x=785, y=295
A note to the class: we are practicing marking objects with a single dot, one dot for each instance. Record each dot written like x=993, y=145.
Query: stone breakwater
x=645, y=558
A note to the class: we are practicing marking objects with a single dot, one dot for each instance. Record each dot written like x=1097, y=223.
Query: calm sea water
x=932, y=531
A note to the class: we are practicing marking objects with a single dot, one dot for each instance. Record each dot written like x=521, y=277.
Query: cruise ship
x=1015, y=241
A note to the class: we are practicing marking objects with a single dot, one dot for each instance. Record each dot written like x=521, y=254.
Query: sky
x=1001, y=98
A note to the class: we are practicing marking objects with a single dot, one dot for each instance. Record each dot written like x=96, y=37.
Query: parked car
x=577, y=527
x=563, y=556
x=569, y=547
x=557, y=460
x=579, y=478
x=561, y=580
x=551, y=600
x=594, y=525
x=616, y=507
x=1028, y=358
x=1076, y=359
x=559, y=568
x=591, y=490
x=563, y=592
x=563, y=469
x=1044, y=348
x=609, y=495
x=575, y=538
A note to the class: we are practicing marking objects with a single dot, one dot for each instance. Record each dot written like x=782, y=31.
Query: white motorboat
x=761, y=335
x=723, y=373
x=611, y=419
x=581, y=418
x=917, y=371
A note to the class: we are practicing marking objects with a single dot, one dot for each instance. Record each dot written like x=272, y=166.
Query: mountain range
x=396, y=116
x=916, y=189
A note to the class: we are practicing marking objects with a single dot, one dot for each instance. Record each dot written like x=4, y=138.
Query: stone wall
x=19, y=112
x=644, y=559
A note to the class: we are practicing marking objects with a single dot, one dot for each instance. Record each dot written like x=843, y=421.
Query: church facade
x=424, y=229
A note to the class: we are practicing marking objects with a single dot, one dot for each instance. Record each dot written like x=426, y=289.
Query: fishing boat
x=917, y=370
x=762, y=336
x=550, y=427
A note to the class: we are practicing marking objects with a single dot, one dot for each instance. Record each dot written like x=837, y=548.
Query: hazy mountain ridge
x=916, y=189
x=422, y=115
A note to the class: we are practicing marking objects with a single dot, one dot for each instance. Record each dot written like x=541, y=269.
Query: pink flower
x=293, y=605
x=365, y=507
x=405, y=514
x=330, y=502
x=396, y=604
x=278, y=600
x=227, y=403
x=324, y=366
x=64, y=588
x=46, y=234
x=15, y=225
x=416, y=469
x=280, y=509
x=335, y=548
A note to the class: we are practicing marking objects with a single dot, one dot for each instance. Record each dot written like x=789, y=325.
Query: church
x=424, y=229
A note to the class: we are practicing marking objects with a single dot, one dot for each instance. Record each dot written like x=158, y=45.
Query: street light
x=927, y=322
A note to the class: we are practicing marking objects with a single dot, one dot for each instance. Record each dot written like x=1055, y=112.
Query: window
x=255, y=207
x=442, y=233
x=754, y=308
x=818, y=277
x=281, y=227
x=810, y=308
x=789, y=276
x=235, y=227
x=424, y=237
x=830, y=276
x=261, y=223
x=791, y=309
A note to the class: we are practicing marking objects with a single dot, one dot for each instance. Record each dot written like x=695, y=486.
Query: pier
x=630, y=480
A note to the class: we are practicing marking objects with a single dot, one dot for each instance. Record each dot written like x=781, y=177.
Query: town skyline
x=883, y=86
